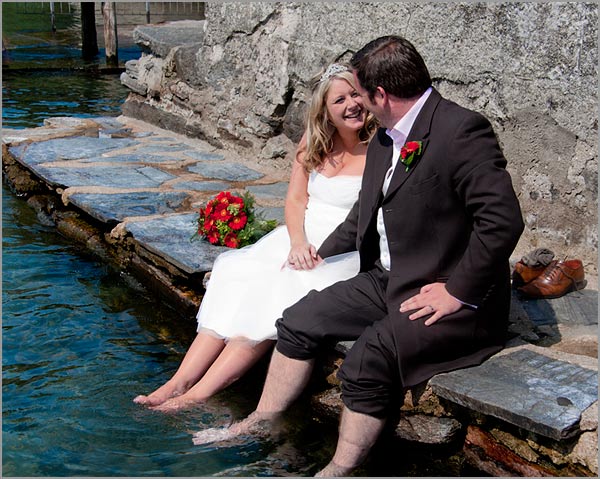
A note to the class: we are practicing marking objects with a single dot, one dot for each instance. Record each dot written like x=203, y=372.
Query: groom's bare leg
x=358, y=433
x=285, y=381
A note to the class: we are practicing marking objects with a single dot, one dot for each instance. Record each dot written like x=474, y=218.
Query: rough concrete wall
x=531, y=68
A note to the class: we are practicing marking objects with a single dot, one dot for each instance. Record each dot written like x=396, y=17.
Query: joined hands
x=302, y=257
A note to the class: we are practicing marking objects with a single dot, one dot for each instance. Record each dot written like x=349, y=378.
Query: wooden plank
x=109, y=15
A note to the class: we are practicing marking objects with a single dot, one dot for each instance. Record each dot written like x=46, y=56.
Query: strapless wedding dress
x=248, y=288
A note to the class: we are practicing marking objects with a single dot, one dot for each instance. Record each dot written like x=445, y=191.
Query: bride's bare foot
x=162, y=394
x=257, y=423
x=175, y=404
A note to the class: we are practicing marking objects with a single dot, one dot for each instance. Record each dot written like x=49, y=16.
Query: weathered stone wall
x=531, y=68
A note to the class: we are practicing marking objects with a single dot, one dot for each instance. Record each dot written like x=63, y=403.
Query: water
x=27, y=100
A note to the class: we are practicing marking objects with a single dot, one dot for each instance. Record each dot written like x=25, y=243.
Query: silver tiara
x=332, y=70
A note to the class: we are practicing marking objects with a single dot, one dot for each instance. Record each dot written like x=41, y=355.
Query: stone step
x=525, y=388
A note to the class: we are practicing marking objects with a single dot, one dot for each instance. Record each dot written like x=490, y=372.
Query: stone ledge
x=161, y=39
x=525, y=388
x=171, y=237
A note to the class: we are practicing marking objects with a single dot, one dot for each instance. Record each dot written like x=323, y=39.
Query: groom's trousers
x=348, y=310
x=391, y=352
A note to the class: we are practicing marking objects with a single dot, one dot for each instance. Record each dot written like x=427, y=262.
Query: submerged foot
x=333, y=470
x=162, y=394
x=175, y=404
x=257, y=424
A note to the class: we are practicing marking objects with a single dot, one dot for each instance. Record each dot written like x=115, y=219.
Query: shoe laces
x=553, y=273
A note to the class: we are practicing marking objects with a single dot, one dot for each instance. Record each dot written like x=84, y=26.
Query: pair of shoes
x=557, y=279
x=523, y=274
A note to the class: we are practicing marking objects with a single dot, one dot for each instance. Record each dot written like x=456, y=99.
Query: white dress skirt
x=248, y=287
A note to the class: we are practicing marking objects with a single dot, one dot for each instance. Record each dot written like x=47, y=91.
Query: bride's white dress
x=248, y=288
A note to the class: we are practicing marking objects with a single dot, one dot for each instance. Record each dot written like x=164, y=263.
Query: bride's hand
x=303, y=256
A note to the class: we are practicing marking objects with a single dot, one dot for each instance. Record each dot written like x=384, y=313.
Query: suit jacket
x=453, y=217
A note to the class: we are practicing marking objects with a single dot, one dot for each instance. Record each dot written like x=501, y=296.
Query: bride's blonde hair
x=319, y=131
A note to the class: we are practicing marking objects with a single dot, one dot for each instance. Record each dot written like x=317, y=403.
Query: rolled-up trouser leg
x=370, y=378
x=340, y=312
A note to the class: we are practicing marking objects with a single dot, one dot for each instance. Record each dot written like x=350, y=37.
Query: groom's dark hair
x=394, y=64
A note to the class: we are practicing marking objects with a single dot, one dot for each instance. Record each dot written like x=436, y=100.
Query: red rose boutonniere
x=410, y=152
x=230, y=220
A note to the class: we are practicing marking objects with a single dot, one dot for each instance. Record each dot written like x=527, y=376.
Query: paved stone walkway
x=143, y=180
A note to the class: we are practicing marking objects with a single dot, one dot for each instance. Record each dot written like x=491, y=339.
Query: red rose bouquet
x=229, y=220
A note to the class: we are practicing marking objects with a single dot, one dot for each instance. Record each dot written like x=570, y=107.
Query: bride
x=250, y=287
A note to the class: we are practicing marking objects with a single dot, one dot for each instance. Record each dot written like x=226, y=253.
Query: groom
x=435, y=224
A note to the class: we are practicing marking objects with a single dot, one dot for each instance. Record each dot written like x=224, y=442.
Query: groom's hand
x=433, y=300
x=303, y=256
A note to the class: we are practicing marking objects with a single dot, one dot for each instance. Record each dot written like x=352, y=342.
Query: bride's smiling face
x=344, y=106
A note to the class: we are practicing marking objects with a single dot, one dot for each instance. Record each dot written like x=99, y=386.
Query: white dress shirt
x=399, y=135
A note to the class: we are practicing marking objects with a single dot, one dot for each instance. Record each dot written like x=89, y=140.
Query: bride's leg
x=238, y=356
x=199, y=357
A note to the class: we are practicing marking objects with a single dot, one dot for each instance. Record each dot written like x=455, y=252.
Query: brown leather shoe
x=558, y=279
x=523, y=274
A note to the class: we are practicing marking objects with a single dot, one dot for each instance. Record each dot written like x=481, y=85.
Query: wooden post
x=52, y=18
x=89, y=40
x=111, y=45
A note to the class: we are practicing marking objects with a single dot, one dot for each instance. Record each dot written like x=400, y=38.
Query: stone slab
x=125, y=176
x=215, y=186
x=163, y=138
x=275, y=190
x=160, y=39
x=225, y=171
x=204, y=156
x=577, y=308
x=142, y=134
x=108, y=122
x=152, y=149
x=525, y=388
x=171, y=238
x=272, y=213
x=61, y=122
x=129, y=158
x=114, y=133
x=116, y=207
x=74, y=148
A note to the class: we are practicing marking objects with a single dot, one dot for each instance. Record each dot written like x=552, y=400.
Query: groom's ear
x=380, y=94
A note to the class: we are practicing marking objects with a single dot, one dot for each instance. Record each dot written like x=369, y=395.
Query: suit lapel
x=381, y=153
x=419, y=132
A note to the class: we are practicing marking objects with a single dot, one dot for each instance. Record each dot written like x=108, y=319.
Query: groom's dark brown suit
x=453, y=217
